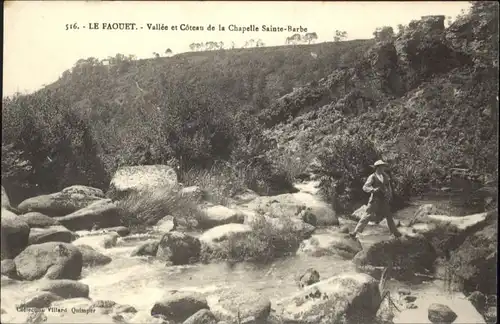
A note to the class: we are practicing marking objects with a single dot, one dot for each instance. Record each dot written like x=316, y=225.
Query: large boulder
x=14, y=234
x=91, y=257
x=330, y=244
x=103, y=213
x=475, y=260
x=223, y=232
x=309, y=277
x=52, y=260
x=178, y=306
x=57, y=204
x=219, y=215
x=40, y=299
x=141, y=179
x=38, y=220
x=65, y=288
x=350, y=296
x=244, y=305
x=56, y=233
x=408, y=253
x=179, y=248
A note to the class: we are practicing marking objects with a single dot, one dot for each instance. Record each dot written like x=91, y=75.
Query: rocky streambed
x=110, y=275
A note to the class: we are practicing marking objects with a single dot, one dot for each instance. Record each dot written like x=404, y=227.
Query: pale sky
x=38, y=48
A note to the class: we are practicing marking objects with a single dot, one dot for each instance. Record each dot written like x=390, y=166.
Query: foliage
x=345, y=161
x=147, y=208
x=386, y=33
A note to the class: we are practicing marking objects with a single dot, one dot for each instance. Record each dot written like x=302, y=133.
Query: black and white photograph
x=249, y=162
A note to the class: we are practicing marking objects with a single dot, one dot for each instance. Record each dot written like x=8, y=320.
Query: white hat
x=378, y=163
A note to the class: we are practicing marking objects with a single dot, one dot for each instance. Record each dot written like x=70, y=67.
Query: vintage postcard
x=203, y=162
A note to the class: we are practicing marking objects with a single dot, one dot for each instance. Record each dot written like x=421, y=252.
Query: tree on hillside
x=233, y=45
x=156, y=55
x=259, y=43
x=221, y=45
x=168, y=52
x=294, y=39
x=384, y=34
x=340, y=35
x=310, y=37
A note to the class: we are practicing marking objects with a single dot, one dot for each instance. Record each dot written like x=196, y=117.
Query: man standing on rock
x=379, y=185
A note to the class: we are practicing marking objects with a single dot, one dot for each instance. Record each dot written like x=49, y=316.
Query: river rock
x=98, y=241
x=14, y=234
x=311, y=276
x=248, y=306
x=223, y=232
x=40, y=299
x=219, y=215
x=178, y=306
x=461, y=223
x=66, y=288
x=91, y=257
x=353, y=296
x=84, y=190
x=166, y=224
x=330, y=244
x=52, y=260
x=103, y=213
x=56, y=204
x=142, y=317
x=38, y=220
x=179, y=248
x=146, y=249
x=408, y=252
x=120, y=230
x=120, y=309
x=142, y=179
x=55, y=233
x=361, y=212
x=9, y=268
x=203, y=316
x=441, y=314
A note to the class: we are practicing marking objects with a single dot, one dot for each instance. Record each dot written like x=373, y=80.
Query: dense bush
x=345, y=162
x=263, y=244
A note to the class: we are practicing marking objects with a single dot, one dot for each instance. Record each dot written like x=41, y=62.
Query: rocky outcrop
x=350, y=296
x=84, y=191
x=14, y=234
x=330, y=244
x=55, y=233
x=66, y=288
x=142, y=179
x=52, y=260
x=40, y=299
x=179, y=248
x=102, y=213
x=91, y=257
x=243, y=305
x=178, y=306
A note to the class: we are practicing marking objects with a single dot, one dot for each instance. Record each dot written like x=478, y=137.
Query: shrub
x=345, y=162
x=263, y=244
x=147, y=208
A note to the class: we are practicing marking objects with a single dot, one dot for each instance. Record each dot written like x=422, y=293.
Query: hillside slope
x=425, y=100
